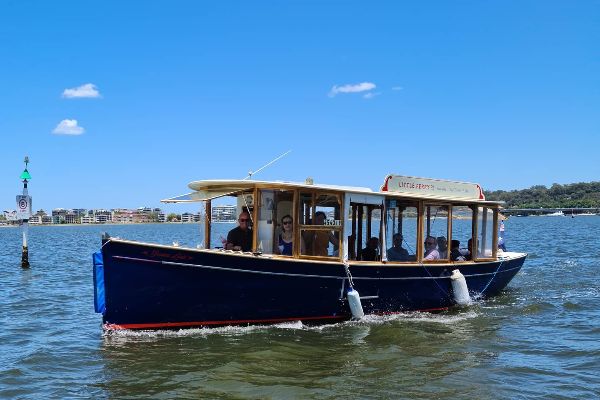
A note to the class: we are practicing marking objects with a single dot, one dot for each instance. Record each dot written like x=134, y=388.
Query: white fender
x=355, y=304
x=460, y=289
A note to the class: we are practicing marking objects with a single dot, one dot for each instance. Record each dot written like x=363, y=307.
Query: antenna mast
x=250, y=173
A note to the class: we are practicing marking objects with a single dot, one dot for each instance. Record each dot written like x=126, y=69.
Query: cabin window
x=224, y=217
x=485, y=232
x=436, y=233
x=401, y=230
x=275, y=223
x=319, y=216
x=364, y=243
x=462, y=231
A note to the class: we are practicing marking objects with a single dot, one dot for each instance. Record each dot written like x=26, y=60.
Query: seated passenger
x=320, y=239
x=431, y=252
x=456, y=253
x=240, y=238
x=286, y=237
x=397, y=252
x=469, y=255
x=442, y=244
x=369, y=253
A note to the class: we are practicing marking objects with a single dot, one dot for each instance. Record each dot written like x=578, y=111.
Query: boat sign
x=434, y=187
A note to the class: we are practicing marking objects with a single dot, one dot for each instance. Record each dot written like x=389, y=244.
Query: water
x=540, y=339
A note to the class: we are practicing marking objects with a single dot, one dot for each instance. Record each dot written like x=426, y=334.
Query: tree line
x=572, y=195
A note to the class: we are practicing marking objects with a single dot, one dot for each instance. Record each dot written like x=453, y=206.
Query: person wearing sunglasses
x=240, y=237
x=431, y=252
x=286, y=237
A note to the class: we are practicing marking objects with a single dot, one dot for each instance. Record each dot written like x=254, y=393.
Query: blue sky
x=504, y=93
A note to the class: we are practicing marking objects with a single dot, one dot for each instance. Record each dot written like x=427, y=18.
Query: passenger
x=442, y=244
x=240, y=237
x=431, y=252
x=370, y=253
x=397, y=252
x=321, y=239
x=456, y=253
x=469, y=255
x=286, y=237
x=501, y=244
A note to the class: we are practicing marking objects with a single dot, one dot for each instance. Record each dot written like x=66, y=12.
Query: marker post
x=24, y=213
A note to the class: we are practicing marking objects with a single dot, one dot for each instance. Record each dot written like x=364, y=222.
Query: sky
x=121, y=104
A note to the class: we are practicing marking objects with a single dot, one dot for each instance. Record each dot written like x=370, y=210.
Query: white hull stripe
x=303, y=275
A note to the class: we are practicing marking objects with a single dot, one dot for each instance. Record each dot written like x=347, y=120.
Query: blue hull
x=143, y=286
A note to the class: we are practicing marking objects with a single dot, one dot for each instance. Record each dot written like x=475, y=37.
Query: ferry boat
x=351, y=251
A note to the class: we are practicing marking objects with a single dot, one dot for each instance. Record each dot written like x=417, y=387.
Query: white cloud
x=370, y=95
x=397, y=88
x=349, y=88
x=88, y=90
x=68, y=127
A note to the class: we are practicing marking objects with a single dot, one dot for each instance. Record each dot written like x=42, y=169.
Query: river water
x=539, y=339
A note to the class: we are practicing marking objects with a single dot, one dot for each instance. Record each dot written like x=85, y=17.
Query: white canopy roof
x=210, y=189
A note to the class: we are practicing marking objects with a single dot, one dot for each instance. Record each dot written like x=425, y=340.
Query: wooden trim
x=352, y=255
x=369, y=220
x=428, y=220
x=359, y=229
x=255, y=208
x=450, y=218
x=420, y=230
x=341, y=239
x=207, y=223
x=475, y=229
x=495, y=235
x=313, y=206
x=295, y=234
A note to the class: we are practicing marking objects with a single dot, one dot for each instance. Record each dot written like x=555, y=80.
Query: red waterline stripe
x=203, y=323
x=242, y=321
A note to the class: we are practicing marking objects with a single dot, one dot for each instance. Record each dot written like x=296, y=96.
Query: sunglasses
x=287, y=222
x=244, y=220
x=429, y=243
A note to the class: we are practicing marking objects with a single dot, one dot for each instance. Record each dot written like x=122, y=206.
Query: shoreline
x=107, y=224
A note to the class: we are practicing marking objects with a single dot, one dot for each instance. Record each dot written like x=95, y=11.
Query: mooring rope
x=492, y=279
x=436, y=282
x=348, y=274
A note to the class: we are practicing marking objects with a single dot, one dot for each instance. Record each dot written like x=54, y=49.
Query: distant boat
x=556, y=214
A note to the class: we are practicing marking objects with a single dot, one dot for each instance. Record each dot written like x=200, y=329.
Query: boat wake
x=447, y=318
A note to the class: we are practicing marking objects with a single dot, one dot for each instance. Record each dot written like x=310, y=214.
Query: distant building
x=189, y=217
x=102, y=216
x=71, y=218
x=224, y=213
x=59, y=216
x=87, y=219
x=40, y=217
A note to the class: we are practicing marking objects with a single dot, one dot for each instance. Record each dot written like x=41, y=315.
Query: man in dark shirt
x=240, y=238
x=370, y=253
x=397, y=252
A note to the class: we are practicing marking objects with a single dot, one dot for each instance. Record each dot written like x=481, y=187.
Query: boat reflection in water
x=348, y=250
